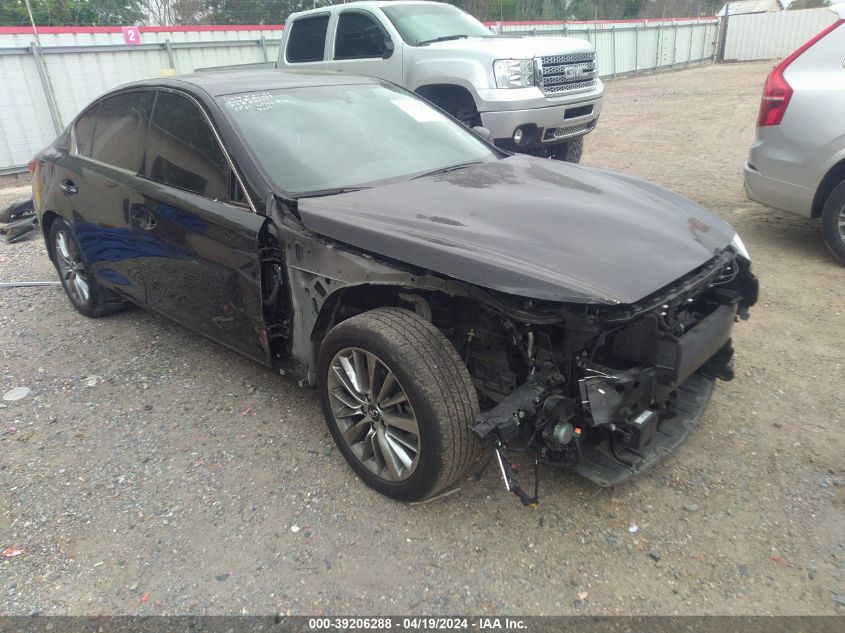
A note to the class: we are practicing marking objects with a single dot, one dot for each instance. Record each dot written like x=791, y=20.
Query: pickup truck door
x=362, y=45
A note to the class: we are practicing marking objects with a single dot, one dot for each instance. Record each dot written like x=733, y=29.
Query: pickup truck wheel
x=398, y=402
x=570, y=151
x=833, y=222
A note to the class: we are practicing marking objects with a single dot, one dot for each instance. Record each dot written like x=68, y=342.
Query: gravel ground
x=152, y=471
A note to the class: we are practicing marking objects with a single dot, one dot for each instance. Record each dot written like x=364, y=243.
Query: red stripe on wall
x=23, y=30
x=561, y=22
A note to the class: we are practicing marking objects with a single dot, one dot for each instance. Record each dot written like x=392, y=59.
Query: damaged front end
x=605, y=391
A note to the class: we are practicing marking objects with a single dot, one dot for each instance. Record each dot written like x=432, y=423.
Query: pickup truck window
x=317, y=138
x=423, y=23
x=358, y=35
x=307, y=39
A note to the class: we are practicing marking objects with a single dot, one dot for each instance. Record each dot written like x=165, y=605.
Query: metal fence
x=632, y=46
x=44, y=88
x=757, y=36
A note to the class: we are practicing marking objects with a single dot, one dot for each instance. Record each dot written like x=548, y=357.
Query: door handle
x=68, y=187
x=141, y=217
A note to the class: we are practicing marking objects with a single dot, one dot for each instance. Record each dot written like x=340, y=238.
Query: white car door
x=363, y=46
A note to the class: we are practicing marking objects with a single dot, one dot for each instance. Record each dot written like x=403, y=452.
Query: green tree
x=72, y=12
x=808, y=4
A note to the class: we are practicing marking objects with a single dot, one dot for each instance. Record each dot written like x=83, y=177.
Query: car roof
x=222, y=82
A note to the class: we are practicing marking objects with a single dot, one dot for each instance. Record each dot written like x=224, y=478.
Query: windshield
x=429, y=22
x=319, y=138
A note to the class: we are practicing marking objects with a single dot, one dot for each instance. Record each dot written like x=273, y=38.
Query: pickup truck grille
x=560, y=74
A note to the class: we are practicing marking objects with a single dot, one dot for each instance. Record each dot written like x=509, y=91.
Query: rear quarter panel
x=813, y=126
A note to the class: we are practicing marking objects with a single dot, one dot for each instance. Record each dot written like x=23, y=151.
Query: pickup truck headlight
x=514, y=73
x=739, y=247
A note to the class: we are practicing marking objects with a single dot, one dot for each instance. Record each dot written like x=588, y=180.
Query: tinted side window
x=182, y=150
x=121, y=131
x=358, y=35
x=307, y=39
x=84, y=131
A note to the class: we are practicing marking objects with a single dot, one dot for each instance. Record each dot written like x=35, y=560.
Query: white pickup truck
x=535, y=95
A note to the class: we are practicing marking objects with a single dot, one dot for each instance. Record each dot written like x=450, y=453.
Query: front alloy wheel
x=373, y=413
x=398, y=402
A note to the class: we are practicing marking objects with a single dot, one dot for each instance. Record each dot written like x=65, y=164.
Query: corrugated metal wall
x=772, y=35
x=631, y=46
x=83, y=65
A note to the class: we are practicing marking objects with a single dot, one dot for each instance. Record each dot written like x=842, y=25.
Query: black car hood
x=530, y=227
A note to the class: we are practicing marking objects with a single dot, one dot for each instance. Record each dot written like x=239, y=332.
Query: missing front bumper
x=598, y=463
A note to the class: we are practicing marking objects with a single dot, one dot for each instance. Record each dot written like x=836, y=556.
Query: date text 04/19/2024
x=420, y=623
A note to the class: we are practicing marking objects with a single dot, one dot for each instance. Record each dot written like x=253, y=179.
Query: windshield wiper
x=443, y=170
x=442, y=38
x=330, y=192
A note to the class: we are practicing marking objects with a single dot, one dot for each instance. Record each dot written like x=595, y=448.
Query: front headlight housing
x=739, y=247
x=514, y=73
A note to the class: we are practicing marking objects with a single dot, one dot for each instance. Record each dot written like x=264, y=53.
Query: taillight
x=31, y=165
x=776, y=91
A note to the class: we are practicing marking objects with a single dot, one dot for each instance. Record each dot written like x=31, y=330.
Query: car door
x=203, y=265
x=363, y=46
x=106, y=156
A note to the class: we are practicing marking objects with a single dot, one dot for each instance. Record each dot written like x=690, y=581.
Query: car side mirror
x=387, y=48
x=483, y=132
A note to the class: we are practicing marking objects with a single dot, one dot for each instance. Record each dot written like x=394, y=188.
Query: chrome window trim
x=220, y=144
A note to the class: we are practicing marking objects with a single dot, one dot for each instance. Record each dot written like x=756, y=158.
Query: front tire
x=570, y=151
x=833, y=222
x=398, y=402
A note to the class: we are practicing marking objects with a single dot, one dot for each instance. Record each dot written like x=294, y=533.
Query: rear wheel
x=398, y=402
x=570, y=151
x=833, y=222
x=81, y=287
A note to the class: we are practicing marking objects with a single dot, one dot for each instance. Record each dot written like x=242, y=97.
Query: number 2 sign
x=131, y=35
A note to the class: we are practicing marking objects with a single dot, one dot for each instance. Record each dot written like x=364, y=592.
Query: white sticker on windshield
x=260, y=101
x=420, y=111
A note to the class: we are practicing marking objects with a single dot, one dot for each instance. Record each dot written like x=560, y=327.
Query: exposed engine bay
x=605, y=391
x=588, y=351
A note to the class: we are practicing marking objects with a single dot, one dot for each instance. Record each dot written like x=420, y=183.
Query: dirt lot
x=152, y=471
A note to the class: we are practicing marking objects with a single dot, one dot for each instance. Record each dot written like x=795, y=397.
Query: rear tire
x=80, y=286
x=414, y=449
x=833, y=222
x=570, y=151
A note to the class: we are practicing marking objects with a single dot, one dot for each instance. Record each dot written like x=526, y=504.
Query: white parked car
x=797, y=162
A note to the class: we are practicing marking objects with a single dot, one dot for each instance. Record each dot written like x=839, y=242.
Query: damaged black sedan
x=441, y=294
